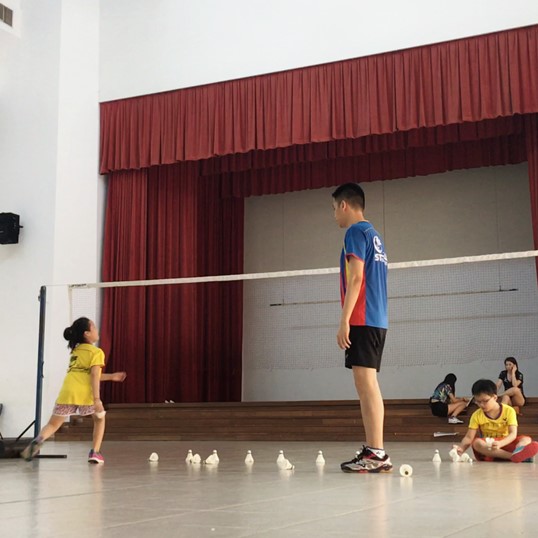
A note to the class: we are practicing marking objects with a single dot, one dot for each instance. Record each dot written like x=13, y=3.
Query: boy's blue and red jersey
x=363, y=242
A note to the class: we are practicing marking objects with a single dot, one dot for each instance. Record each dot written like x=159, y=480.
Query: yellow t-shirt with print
x=493, y=427
x=77, y=388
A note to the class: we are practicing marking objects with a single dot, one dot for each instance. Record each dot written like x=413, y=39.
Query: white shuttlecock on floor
x=196, y=459
x=248, y=458
x=286, y=465
x=406, y=470
x=213, y=459
x=465, y=458
x=153, y=456
x=281, y=457
x=320, y=460
x=437, y=457
x=189, y=457
x=454, y=456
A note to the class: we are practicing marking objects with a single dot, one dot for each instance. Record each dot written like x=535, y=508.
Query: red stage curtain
x=531, y=129
x=467, y=80
x=416, y=138
x=374, y=167
x=176, y=342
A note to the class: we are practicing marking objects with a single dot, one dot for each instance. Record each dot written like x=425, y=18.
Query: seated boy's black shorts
x=367, y=345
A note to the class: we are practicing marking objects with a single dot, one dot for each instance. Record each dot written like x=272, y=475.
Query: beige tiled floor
x=131, y=497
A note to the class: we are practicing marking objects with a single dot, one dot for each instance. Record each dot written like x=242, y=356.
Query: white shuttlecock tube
x=153, y=457
x=406, y=470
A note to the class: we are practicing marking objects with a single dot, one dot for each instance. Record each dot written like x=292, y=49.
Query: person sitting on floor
x=496, y=426
x=444, y=403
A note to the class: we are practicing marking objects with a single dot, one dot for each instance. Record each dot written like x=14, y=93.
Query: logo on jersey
x=377, y=244
x=379, y=256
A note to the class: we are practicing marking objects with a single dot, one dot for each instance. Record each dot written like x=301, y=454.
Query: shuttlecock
x=406, y=470
x=100, y=414
x=189, y=457
x=196, y=459
x=281, y=457
x=153, y=456
x=489, y=442
x=286, y=465
x=437, y=457
x=454, y=454
x=213, y=459
x=465, y=458
x=320, y=460
x=248, y=458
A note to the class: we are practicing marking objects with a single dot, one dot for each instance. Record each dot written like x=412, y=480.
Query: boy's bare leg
x=372, y=407
x=480, y=446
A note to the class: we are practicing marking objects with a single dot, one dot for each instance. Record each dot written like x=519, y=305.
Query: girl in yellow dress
x=80, y=392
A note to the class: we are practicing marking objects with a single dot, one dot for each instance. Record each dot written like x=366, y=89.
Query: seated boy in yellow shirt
x=496, y=426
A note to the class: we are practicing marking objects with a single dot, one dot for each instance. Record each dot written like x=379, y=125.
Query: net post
x=40, y=359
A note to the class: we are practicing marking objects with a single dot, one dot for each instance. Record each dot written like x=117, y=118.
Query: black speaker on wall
x=9, y=228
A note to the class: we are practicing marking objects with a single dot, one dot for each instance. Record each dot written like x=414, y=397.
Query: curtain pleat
x=468, y=80
x=123, y=336
x=174, y=341
x=531, y=127
x=400, y=163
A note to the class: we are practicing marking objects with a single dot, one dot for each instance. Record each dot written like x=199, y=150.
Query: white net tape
x=450, y=311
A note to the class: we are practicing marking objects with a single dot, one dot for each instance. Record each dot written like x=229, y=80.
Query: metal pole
x=40, y=359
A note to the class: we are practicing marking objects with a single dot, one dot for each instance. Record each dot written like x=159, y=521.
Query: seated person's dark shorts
x=439, y=409
x=366, y=348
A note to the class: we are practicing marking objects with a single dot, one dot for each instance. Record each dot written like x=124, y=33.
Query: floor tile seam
x=310, y=521
x=481, y=523
x=152, y=519
x=72, y=495
x=273, y=499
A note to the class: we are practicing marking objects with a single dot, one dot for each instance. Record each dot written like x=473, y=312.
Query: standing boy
x=364, y=321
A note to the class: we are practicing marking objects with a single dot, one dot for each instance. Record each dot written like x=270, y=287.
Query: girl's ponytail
x=75, y=334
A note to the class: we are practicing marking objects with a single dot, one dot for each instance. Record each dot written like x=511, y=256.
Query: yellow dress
x=77, y=388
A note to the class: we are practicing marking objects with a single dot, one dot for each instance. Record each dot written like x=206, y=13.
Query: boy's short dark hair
x=484, y=386
x=352, y=193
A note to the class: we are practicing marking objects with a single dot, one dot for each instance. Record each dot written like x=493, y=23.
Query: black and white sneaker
x=358, y=456
x=366, y=461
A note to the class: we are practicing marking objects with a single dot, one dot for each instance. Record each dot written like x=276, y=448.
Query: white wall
x=48, y=175
x=149, y=46
x=464, y=318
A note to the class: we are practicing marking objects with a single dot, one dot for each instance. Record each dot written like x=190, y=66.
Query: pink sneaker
x=95, y=457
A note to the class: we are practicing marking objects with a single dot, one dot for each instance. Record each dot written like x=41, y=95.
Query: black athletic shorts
x=439, y=409
x=366, y=346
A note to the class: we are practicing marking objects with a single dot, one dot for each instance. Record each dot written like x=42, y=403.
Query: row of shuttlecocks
x=454, y=456
x=213, y=459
